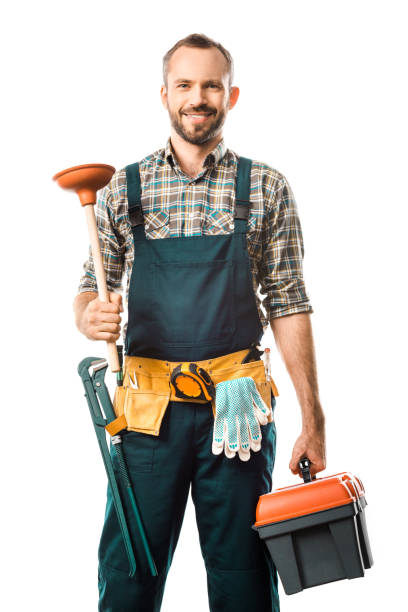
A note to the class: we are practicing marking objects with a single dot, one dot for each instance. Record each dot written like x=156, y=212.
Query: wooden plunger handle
x=85, y=181
x=113, y=357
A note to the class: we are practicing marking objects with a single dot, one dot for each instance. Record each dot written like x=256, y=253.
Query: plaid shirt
x=175, y=204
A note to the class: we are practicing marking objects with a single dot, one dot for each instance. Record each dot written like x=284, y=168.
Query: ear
x=233, y=97
x=163, y=95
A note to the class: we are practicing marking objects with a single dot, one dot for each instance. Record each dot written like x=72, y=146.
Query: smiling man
x=198, y=109
x=198, y=230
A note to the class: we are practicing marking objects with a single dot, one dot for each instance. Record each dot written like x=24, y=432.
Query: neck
x=191, y=156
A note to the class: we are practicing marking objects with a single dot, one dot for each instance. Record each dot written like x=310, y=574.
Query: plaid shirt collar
x=212, y=159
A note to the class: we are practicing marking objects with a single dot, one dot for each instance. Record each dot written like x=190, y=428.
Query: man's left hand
x=310, y=444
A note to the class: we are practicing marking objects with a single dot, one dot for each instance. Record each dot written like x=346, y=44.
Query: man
x=195, y=250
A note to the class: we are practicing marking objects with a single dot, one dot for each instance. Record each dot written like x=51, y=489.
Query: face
x=197, y=95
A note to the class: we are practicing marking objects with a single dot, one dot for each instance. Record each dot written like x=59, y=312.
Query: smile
x=198, y=118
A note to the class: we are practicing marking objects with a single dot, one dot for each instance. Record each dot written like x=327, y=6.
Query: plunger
x=85, y=181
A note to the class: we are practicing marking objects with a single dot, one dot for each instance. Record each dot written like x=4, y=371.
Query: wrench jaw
x=85, y=365
x=98, y=364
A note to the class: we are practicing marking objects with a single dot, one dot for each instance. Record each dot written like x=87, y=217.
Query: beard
x=197, y=134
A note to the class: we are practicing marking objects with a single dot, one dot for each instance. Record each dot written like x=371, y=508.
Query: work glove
x=239, y=412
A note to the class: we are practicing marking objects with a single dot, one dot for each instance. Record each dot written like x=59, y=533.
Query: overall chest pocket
x=194, y=302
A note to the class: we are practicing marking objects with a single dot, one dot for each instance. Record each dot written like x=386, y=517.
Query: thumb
x=297, y=455
x=116, y=298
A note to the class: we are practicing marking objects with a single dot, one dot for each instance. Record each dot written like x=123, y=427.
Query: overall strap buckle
x=136, y=216
x=242, y=189
x=134, y=195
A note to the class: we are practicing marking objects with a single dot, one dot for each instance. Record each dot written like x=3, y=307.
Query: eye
x=182, y=85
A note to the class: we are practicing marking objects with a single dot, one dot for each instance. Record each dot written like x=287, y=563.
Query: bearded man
x=198, y=230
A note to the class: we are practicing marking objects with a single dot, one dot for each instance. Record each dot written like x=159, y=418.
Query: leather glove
x=239, y=412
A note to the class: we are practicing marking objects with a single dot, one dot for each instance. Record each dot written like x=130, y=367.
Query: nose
x=197, y=95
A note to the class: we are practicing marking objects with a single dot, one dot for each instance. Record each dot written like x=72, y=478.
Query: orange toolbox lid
x=308, y=497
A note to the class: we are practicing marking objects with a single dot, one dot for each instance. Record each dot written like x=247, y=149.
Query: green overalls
x=191, y=298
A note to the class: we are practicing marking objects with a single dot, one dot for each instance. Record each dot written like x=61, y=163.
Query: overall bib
x=191, y=298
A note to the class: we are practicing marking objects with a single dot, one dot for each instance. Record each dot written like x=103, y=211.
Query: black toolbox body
x=316, y=532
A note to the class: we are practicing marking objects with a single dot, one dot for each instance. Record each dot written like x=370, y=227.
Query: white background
x=323, y=100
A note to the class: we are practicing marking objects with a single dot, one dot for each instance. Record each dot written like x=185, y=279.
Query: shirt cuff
x=87, y=283
x=288, y=309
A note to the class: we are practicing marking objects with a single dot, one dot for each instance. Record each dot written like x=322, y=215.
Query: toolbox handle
x=304, y=465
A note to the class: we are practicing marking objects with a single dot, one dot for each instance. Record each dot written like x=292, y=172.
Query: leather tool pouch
x=145, y=406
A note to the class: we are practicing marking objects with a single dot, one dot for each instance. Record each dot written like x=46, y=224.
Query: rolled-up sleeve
x=281, y=270
x=112, y=247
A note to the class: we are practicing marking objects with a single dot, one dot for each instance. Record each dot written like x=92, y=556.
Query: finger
x=217, y=448
x=229, y=452
x=294, y=462
x=108, y=307
x=116, y=298
x=295, y=470
x=99, y=305
x=243, y=441
x=255, y=435
x=232, y=434
x=243, y=436
x=244, y=455
x=111, y=328
x=262, y=410
x=218, y=436
x=317, y=460
x=106, y=336
x=110, y=317
x=319, y=466
x=103, y=311
x=314, y=467
x=99, y=319
x=261, y=416
x=103, y=319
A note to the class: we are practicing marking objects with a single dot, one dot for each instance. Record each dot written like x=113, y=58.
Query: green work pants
x=240, y=573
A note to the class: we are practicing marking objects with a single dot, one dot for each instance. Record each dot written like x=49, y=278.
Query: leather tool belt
x=140, y=404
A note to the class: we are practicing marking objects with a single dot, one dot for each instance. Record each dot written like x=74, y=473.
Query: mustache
x=199, y=109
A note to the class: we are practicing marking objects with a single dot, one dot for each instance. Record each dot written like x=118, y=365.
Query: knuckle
x=93, y=305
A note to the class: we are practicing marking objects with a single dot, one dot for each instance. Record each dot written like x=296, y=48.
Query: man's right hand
x=98, y=320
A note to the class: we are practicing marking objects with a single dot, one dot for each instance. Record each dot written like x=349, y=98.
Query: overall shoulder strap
x=242, y=188
x=134, y=194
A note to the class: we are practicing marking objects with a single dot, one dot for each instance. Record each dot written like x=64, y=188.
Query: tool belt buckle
x=191, y=382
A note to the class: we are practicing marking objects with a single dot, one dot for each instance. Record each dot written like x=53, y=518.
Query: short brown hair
x=202, y=42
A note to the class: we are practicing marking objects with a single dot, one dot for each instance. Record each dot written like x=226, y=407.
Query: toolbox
x=316, y=531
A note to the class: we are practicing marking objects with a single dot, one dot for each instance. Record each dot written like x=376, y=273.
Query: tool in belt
x=189, y=381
